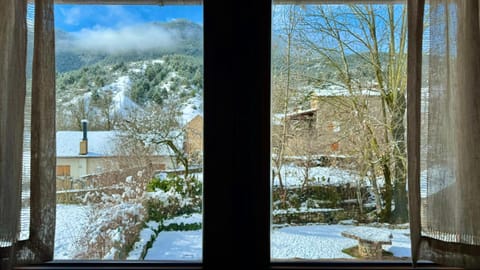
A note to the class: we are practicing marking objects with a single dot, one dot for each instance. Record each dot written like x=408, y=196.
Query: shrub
x=115, y=219
x=172, y=196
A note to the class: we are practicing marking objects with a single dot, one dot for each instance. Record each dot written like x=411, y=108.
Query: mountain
x=106, y=75
x=131, y=43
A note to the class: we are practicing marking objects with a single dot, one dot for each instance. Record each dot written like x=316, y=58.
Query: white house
x=78, y=156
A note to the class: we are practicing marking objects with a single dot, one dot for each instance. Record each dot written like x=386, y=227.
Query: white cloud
x=72, y=16
x=138, y=37
x=118, y=16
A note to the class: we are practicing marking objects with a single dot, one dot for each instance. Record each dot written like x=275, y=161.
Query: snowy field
x=174, y=245
x=293, y=176
x=288, y=242
x=306, y=242
x=71, y=221
x=326, y=242
x=296, y=242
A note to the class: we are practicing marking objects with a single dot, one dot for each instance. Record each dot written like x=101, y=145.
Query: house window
x=335, y=146
x=63, y=170
x=333, y=126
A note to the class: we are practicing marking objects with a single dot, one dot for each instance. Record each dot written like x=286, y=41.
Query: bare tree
x=80, y=110
x=142, y=133
x=282, y=88
x=106, y=113
x=359, y=42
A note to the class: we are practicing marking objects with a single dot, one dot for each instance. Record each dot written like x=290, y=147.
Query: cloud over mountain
x=109, y=40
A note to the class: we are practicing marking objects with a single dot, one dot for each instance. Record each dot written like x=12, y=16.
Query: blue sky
x=74, y=18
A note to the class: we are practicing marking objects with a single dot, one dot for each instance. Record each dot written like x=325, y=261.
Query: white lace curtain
x=12, y=98
x=38, y=246
x=445, y=219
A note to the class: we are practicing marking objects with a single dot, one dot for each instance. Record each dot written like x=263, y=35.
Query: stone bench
x=370, y=240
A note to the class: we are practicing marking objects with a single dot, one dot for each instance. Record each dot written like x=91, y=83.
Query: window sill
x=277, y=265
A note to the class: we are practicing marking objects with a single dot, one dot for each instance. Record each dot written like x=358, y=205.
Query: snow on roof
x=100, y=144
x=277, y=118
x=344, y=92
x=337, y=91
x=192, y=109
x=304, y=210
x=300, y=113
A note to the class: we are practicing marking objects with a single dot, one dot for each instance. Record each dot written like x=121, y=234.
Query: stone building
x=333, y=124
x=193, y=143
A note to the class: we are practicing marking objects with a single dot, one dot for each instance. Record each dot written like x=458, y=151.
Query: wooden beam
x=337, y=2
x=126, y=2
x=414, y=75
x=200, y=2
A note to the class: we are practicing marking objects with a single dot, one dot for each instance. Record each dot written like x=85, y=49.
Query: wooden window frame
x=237, y=213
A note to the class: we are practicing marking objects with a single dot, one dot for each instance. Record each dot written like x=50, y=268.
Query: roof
x=337, y=91
x=345, y=92
x=301, y=114
x=100, y=144
x=277, y=118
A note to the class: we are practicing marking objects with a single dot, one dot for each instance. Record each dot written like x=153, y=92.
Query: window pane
x=339, y=132
x=129, y=132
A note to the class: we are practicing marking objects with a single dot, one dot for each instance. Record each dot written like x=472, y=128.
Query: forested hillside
x=108, y=85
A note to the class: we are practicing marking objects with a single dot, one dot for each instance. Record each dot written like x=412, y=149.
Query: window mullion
x=237, y=134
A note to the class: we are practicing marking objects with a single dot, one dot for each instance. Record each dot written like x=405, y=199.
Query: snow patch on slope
x=121, y=103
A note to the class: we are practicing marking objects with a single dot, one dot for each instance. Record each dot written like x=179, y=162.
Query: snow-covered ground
x=310, y=242
x=185, y=219
x=71, y=221
x=293, y=176
x=193, y=108
x=176, y=245
x=121, y=103
x=307, y=242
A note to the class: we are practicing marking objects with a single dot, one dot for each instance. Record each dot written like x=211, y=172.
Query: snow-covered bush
x=114, y=221
x=111, y=230
x=173, y=196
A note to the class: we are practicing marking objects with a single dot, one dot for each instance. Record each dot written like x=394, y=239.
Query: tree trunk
x=387, y=194
x=400, y=199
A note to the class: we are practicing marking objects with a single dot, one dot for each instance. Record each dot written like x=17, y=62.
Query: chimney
x=314, y=102
x=84, y=141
